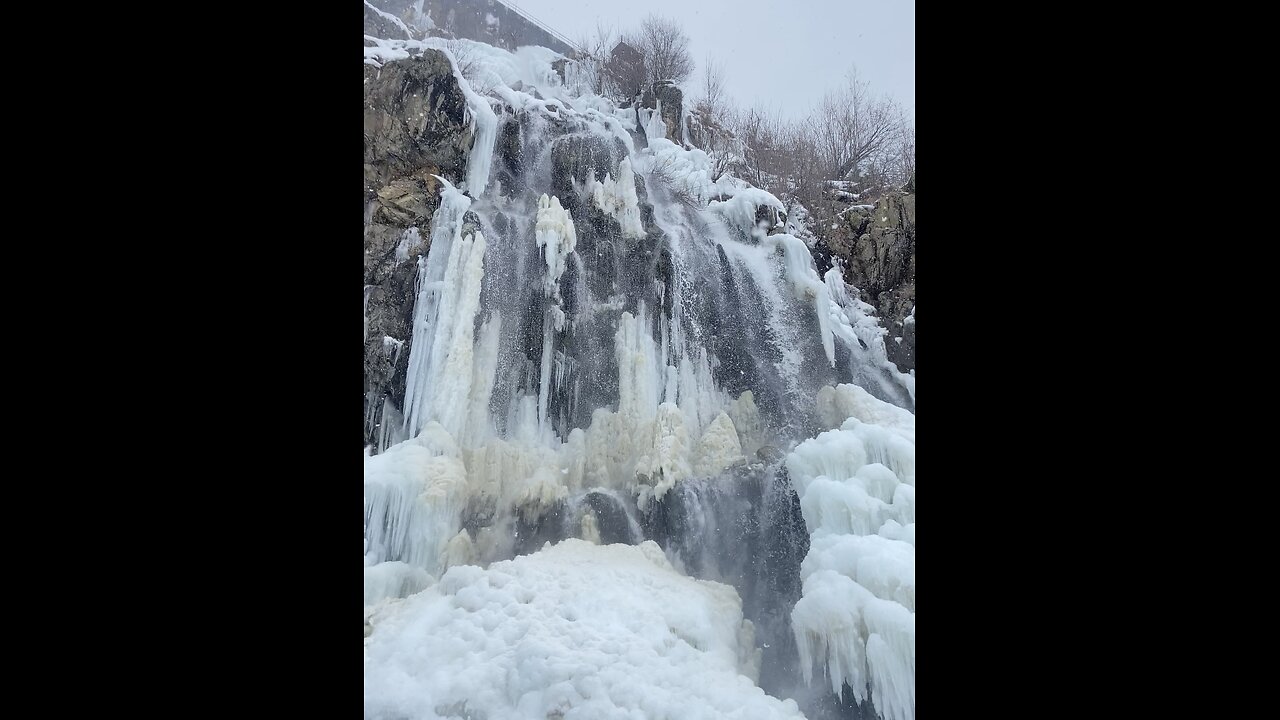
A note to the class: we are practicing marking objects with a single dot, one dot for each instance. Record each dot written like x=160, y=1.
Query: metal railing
x=539, y=24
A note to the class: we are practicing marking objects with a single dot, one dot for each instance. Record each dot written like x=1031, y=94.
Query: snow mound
x=742, y=207
x=575, y=631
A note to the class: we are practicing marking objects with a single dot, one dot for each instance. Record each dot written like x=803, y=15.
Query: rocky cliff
x=415, y=127
x=877, y=246
x=488, y=21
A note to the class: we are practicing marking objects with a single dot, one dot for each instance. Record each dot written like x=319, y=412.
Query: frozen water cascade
x=857, y=617
x=610, y=350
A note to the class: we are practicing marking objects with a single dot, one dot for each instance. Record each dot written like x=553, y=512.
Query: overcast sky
x=782, y=54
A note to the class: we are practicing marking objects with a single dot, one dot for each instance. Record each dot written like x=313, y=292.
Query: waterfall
x=609, y=347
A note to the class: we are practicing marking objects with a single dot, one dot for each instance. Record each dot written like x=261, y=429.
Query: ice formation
x=592, y=385
x=557, y=239
x=856, y=619
x=441, y=356
x=413, y=493
x=618, y=198
x=719, y=447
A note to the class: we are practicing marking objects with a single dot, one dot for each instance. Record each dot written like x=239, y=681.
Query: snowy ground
x=574, y=631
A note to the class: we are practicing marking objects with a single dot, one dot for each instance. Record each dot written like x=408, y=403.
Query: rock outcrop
x=415, y=127
x=878, y=249
x=672, y=100
x=381, y=23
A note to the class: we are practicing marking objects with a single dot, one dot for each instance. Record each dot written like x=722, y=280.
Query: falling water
x=609, y=346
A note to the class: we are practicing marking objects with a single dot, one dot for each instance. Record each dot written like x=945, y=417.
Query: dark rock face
x=672, y=106
x=611, y=265
x=414, y=115
x=878, y=247
x=489, y=21
x=414, y=128
x=379, y=26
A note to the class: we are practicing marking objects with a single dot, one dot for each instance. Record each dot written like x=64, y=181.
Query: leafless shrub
x=590, y=74
x=665, y=48
x=712, y=94
x=663, y=171
x=469, y=65
x=854, y=126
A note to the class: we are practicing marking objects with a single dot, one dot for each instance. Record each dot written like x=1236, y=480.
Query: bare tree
x=723, y=149
x=712, y=97
x=666, y=49
x=764, y=136
x=908, y=157
x=590, y=74
x=805, y=167
x=709, y=120
x=852, y=125
x=664, y=172
x=469, y=65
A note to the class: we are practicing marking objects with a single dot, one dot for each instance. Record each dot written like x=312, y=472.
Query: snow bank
x=575, y=631
x=383, y=51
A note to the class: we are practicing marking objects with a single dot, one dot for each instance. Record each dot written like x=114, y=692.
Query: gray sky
x=782, y=54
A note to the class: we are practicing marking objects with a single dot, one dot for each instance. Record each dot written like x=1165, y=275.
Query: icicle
x=856, y=615
x=484, y=126
x=440, y=373
x=479, y=425
x=414, y=495
x=544, y=377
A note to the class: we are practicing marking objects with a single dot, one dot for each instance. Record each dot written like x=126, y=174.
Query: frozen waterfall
x=626, y=379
